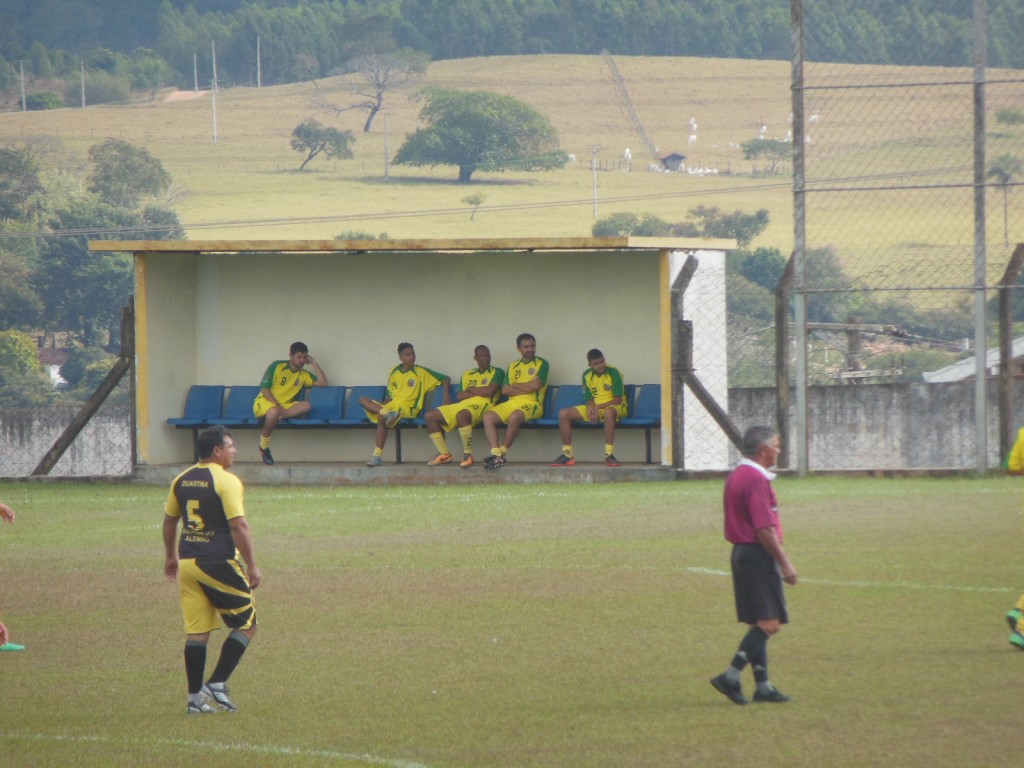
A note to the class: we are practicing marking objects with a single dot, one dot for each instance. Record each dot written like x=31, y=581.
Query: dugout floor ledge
x=348, y=474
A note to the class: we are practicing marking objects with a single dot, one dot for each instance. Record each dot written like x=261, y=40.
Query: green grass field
x=480, y=627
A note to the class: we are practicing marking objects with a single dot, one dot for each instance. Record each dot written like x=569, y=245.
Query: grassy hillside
x=246, y=185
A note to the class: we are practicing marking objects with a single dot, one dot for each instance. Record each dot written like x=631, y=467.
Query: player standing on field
x=1015, y=616
x=7, y=515
x=759, y=564
x=214, y=588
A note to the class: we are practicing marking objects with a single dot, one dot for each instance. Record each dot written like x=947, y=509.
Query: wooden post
x=122, y=366
x=782, y=293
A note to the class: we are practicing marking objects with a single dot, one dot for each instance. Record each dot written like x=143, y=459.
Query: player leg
x=610, y=415
x=566, y=418
x=435, y=421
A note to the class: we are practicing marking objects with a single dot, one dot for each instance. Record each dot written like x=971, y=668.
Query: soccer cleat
x=493, y=462
x=218, y=693
x=392, y=418
x=774, y=696
x=611, y=461
x=732, y=691
x=563, y=461
x=200, y=709
x=265, y=455
x=467, y=460
x=1016, y=640
x=374, y=461
x=12, y=647
x=441, y=458
x=1012, y=617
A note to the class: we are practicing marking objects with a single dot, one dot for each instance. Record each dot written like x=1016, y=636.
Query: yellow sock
x=437, y=438
x=378, y=451
x=496, y=451
x=567, y=451
x=466, y=433
x=609, y=449
x=264, y=442
x=502, y=450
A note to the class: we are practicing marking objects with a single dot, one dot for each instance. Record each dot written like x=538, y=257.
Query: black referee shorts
x=757, y=584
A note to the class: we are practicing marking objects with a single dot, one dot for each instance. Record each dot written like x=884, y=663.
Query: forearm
x=769, y=539
x=170, y=536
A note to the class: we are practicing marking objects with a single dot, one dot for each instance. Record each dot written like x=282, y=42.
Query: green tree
x=314, y=138
x=481, y=131
x=712, y=221
x=20, y=304
x=1010, y=116
x=1004, y=169
x=125, y=175
x=21, y=190
x=23, y=383
x=772, y=151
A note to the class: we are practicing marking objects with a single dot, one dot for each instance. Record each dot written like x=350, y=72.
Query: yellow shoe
x=467, y=460
x=441, y=458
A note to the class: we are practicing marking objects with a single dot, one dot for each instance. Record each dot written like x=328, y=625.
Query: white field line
x=260, y=749
x=871, y=584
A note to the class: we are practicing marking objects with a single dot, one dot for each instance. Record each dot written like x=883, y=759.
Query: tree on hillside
x=22, y=379
x=703, y=221
x=481, y=131
x=20, y=186
x=1004, y=169
x=772, y=150
x=314, y=138
x=380, y=73
x=124, y=175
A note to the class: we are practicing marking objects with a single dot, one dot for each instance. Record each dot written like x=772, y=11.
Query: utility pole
x=24, y=107
x=594, y=149
x=259, y=64
x=83, y=85
x=213, y=90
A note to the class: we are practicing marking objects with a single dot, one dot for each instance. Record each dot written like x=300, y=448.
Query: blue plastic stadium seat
x=203, y=402
x=565, y=395
x=353, y=415
x=647, y=411
x=326, y=405
x=238, y=407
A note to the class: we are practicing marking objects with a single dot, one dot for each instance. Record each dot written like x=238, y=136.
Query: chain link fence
x=889, y=272
x=102, y=449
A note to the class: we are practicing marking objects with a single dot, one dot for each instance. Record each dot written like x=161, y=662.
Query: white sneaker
x=392, y=418
x=374, y=461
x=218, y=693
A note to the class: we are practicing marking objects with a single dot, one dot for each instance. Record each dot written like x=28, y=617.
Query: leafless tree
x=378, y=74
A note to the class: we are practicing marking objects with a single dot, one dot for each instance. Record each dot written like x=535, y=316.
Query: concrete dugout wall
x=220, y=312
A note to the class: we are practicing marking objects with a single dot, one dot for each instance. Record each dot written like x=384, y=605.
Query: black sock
x=230, y=654
x=755, y=646
x=195, y=664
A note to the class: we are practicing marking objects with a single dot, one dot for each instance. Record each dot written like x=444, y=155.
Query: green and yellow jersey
x=602, y=387
x=522, y=372
x=474, y=377
x=207, y=496
x=408, y=389
x=284, y=383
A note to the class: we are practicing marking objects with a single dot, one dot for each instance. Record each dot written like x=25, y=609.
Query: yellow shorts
x=406, y=410
x=214, y=591
x=477, y=407
x=529, y=405
x=620, y=411
x=261, y=405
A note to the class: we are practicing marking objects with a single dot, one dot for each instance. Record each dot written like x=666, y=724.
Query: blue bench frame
x=337, y=407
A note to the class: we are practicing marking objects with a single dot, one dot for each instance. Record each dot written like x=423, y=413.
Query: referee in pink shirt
x=759, y=564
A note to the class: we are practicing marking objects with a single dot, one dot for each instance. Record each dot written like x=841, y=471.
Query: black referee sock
x=230, y=654
x=195, y=664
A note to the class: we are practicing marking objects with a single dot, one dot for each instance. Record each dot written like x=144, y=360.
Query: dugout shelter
x=218, y=312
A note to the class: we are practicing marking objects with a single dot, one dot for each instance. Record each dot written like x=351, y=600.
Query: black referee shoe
x=732, y=691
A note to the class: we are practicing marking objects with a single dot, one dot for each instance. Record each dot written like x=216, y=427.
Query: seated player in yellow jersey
x=526, y=383
x=605, y=398
x=480, y=389
x=408, y=385
x=280, y=387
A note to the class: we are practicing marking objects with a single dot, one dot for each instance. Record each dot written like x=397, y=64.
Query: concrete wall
x=879, y=426
x=885, y=426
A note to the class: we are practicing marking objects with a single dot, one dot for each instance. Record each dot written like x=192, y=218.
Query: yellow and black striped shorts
x=213, y=591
